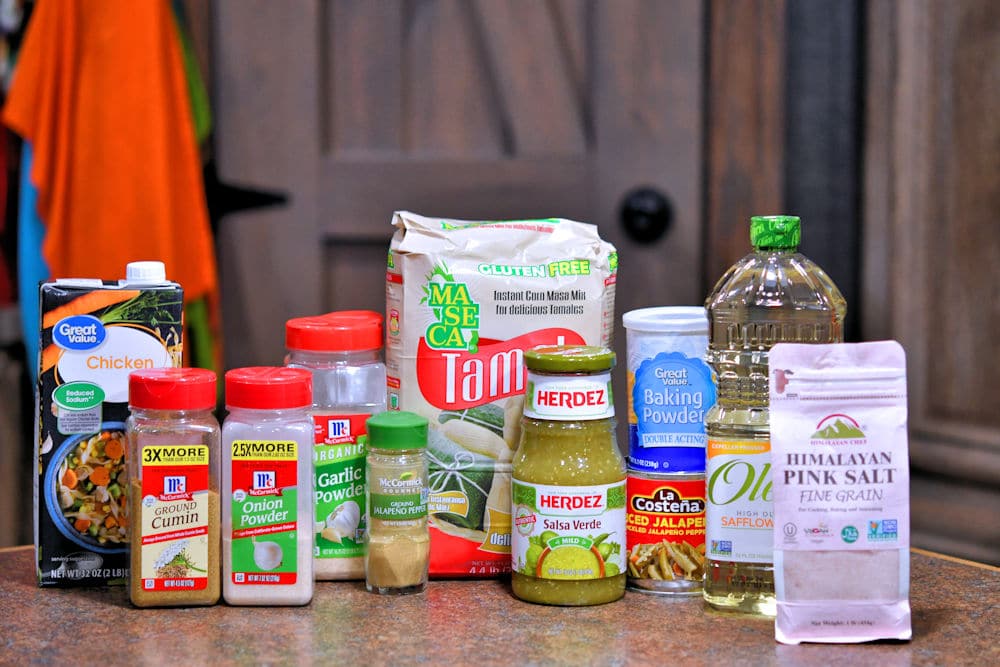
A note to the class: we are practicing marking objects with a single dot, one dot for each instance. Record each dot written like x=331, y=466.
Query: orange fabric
x=100, y=91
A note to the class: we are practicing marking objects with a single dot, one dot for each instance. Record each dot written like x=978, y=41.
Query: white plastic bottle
x=343, y=351
x=267, y=487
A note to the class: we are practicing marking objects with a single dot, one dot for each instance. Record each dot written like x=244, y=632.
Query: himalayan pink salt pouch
x=841, y=492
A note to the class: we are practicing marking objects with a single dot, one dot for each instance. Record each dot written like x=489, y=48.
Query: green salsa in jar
x=568, y=482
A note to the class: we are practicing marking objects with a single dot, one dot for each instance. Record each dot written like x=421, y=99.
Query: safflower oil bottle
x=772, y=295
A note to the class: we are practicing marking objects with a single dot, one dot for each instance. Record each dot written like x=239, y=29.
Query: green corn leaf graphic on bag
x=460, y=482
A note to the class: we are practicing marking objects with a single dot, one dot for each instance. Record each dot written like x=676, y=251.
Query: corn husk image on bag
x=464, y=299
x=841, y=492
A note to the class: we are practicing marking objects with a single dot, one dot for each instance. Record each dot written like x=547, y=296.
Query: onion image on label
x=266, y=555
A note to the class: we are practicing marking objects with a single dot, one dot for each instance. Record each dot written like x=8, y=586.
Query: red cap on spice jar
x=172, y=389
x=345, y=330
x=268, y=388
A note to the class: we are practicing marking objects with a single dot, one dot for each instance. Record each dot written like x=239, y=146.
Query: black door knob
x=646, y=214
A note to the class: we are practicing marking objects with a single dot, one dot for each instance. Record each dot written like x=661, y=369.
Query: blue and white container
x=670, y=388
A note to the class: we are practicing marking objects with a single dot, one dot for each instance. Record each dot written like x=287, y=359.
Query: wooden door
x=482, y=109
x=932, y=253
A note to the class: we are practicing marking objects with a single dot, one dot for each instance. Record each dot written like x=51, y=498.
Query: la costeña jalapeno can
x=666, y=532
x=568, y=482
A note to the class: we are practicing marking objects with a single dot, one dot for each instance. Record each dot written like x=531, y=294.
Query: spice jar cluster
x=246, y=509
x=498, y=451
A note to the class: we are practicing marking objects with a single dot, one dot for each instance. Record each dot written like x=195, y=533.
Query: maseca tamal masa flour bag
x=841, y=492
x=464, y=299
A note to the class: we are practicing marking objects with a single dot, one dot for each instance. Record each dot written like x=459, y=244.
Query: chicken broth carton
x=93, y=334
x=464, y=300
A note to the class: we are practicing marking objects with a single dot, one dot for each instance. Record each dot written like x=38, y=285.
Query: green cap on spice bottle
x=397, y=429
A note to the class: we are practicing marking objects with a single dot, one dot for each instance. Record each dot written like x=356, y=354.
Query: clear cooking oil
x=772, y=295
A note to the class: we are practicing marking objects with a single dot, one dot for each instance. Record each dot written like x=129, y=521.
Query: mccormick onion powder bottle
x=267, y=487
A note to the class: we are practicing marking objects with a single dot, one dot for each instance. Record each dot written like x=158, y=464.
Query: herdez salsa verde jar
x=568, y=482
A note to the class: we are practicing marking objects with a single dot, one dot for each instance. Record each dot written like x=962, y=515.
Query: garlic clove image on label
x=342, y=522
x=266, y=555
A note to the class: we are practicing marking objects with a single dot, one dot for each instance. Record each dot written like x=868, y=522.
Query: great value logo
x=79, y=332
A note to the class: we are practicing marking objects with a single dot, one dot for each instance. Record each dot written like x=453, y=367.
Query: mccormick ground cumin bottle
x=568, y=482
x=173, y=463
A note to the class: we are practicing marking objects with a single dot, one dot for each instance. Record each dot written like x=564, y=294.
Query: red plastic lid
x=345, y=330
x=268, y=388
x=172, y=389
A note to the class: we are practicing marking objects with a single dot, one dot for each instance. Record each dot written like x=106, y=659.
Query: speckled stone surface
x=956, y=620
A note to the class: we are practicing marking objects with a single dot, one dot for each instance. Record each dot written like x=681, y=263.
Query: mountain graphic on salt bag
x=837, y=430
x=841, y=492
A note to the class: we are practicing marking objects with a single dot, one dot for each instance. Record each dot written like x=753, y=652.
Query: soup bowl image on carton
x=93, y=334
x=89, y=497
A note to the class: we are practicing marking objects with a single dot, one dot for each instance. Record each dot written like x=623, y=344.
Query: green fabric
x=198, y=341
x=200, y=107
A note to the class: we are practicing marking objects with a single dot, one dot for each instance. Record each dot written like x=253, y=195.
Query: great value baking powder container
x=670, y=389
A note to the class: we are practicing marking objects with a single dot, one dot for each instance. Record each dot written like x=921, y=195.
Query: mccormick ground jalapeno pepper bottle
x=568, y=482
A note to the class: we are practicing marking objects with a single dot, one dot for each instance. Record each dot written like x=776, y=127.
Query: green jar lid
x=775, y=231
x=569, y=358
x=397, y=429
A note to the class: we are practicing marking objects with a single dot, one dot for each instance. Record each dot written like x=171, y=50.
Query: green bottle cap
x=397, y=430
x=569, y=358
x=775, y=231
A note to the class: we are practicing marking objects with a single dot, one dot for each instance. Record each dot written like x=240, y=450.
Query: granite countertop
x=956, y=613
